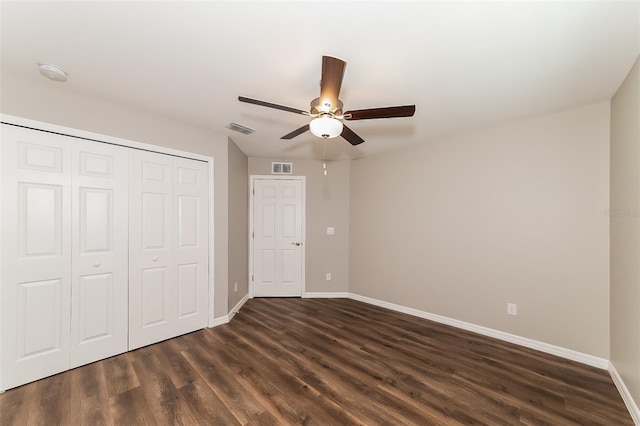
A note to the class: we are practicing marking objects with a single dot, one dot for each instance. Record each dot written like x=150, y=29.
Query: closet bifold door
x=191, y=245
x=35, y=290
x=99, y=289
x=168, y=247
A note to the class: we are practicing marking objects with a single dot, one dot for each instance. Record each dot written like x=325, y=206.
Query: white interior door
x=99, y=289
x=277, y=237
x=168, y=247
x=35, y=290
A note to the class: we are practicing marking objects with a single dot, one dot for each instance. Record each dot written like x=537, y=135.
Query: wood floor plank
x=161, y=395
x=119, y=374
x=55, y=395
x=243, y=406
x=131, y=408
x=205, y=404
x=323, y=362
x=88, y=393
x=175, y=365
x=16, y=404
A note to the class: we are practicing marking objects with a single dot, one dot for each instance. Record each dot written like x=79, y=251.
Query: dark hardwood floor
x=323, y=362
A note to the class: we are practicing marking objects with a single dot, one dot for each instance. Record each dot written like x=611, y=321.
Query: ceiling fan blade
x=384, y=112
x=331, y=81
x=350, y=136
x=296, y=132
x=270, y=105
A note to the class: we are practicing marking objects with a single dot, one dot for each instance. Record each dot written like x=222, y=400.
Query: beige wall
x=238, y=224
x=327, y=205
x=513, y=213
x=50, y=102
x=625, y=231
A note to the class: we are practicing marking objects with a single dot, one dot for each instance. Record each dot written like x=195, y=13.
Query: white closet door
x=151, y=270
x=36, y=250
x=99, y=294
x=168, y=247
x=191, y=211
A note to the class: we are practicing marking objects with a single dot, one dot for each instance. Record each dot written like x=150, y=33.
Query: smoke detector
x=52, y=72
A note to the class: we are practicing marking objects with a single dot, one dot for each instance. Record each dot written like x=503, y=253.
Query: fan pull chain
x=324, y=157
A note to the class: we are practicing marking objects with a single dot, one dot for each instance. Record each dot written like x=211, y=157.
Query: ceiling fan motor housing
x=318, y=109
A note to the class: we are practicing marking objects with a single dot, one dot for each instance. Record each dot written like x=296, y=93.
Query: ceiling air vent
x=239, y=128
x=281, y=168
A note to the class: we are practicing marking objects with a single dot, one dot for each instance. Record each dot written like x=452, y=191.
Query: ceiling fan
x=326, y=110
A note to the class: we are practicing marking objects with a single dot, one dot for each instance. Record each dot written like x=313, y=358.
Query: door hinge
x=251, y=277
x=253, y=235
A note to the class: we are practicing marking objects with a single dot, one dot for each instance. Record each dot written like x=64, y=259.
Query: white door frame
x=303, y=180
x=90, y=136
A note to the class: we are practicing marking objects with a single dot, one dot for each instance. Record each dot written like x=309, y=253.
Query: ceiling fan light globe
x=326, y=127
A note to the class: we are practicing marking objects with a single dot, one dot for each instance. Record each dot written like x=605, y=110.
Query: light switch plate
x=330, y=230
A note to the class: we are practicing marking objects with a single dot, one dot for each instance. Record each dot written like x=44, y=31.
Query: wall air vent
x=281, y=168
x=239, y=128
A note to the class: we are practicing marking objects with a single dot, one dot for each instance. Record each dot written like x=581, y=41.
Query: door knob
x=96, y=264
x=155, y=259
x=295, y=244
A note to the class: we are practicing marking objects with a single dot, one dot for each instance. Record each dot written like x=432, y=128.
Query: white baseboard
x=325, y=295
x=226, y=318
x=626, y=395
x=507, y=337
x=236, y=308
x=219, y=321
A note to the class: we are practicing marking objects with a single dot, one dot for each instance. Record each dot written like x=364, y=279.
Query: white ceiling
x=463, y=64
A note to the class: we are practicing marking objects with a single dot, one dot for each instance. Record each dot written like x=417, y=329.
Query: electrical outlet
x=331, y=230
x=328, y=276
x=235, y=287
x=512, y=309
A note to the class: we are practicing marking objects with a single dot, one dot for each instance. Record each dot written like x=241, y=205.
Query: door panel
x=35, y=285
x=187, y=221
x=154, y=223
x=188, y=290
x=96, y=307
x=277, y=237
x=191, y=206
x=40, y=157
x=96, y=220
x=96, y=165
x=150, y=256
x=288, y=275
x=40, y=213
x=155, y=289
x=168, y=247
x=39, y=318
x=99, y=295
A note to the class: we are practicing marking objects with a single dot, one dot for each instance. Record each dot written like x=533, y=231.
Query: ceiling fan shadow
x=334, y=149
x=388, y=129
x=270, y=121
